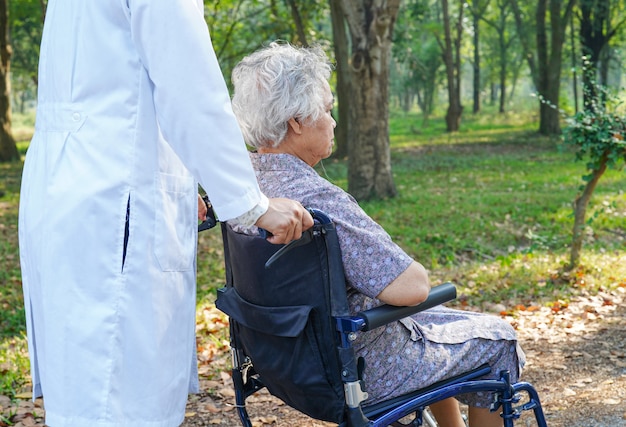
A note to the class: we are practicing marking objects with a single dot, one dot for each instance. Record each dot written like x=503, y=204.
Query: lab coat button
x=76, y=117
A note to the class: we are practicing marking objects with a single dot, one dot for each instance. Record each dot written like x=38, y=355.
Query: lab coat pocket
x=175, y=210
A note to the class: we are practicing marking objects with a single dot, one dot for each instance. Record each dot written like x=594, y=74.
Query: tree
x=25, y=28
x=422, y=76
x=239, y=27
x=598, y=134
x=342, y=70
x=451, y=51
x=596, y=31
x=8, y=148
x=417, y=56
x=550, y=40
x=544, y=53
x=525, y=29
x=574, y=62
x=500, y=25
x=371, y=24
x=477, y=10
x=299, y=24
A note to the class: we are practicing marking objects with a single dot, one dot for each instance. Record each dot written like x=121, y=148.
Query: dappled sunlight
x=536, y=278
x=212, y=340
x=409, y=131
x=14, y=366
x=488, y=140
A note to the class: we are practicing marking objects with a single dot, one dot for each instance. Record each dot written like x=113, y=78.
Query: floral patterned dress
x=414, y=352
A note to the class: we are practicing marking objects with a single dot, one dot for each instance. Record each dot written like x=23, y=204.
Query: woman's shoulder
x=286, y=170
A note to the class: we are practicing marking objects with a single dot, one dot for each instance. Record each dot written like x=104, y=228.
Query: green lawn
x=489, y=208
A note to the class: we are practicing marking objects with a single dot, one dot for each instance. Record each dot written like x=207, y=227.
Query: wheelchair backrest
x=281, y=316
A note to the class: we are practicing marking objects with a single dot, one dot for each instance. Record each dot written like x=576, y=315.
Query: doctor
x=132, y=107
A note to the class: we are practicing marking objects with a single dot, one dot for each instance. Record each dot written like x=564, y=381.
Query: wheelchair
x=291, y=333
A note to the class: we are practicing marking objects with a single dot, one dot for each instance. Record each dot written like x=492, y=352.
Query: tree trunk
x=595, y=34
x=524, y=35
x=44, y=7
x=580, y=213
x=369, y=166
x=342, y=89
x=478, y=9
x=502, y=83
x=500, y=25
x=550, y=62
x=476, y=88
x=574, y=62
x=297, y=19
x=8, y=149
x=451, y=59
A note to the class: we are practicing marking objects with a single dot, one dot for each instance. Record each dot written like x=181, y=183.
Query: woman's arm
x=409, y=288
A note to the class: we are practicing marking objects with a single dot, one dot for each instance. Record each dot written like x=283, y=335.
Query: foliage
x=597, y=132
x=417, y=62
x=14, y=366
x=239, y=27
x=25, y=28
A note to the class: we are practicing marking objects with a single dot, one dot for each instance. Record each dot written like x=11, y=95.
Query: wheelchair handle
x=384, y=314
x=211, y=219
x=319, y=217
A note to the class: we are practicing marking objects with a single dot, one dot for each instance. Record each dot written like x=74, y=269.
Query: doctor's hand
x=285, y=219
x=202, y=208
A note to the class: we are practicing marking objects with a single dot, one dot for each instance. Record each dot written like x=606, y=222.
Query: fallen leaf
x=568, y=392
x=26, y=395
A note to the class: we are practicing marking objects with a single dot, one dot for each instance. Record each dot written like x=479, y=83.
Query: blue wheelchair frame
x=384, y=414
x=247, y=381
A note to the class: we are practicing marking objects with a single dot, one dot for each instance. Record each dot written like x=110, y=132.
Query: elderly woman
x=283, y=103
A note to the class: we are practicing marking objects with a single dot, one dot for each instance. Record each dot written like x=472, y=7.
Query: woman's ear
x=295, y=125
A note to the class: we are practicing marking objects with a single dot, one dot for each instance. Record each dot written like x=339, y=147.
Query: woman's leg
x=447, y=413
x=483, y=417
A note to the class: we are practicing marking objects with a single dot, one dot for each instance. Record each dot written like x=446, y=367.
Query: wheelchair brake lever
x=318, y=216
x=306, y=238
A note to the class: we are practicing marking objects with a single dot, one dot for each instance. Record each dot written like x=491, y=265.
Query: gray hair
x=275, y=84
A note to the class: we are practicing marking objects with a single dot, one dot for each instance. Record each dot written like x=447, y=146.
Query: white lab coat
x=132, y=111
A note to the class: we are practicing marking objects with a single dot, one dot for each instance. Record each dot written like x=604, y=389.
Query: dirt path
x=576, y=359
x=576, y=356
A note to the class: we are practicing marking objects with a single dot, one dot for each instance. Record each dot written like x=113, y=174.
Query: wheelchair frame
x=507, y=395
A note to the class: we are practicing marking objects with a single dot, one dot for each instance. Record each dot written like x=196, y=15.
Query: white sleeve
x=192, y=101
x=250, y=218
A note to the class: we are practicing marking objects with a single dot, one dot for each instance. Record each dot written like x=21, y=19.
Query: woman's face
x=316, y=142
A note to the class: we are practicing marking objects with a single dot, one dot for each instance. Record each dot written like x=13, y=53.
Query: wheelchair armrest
x=384, y=314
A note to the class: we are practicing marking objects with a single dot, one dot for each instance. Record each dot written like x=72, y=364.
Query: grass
x=13, y=354
x=489, y=208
